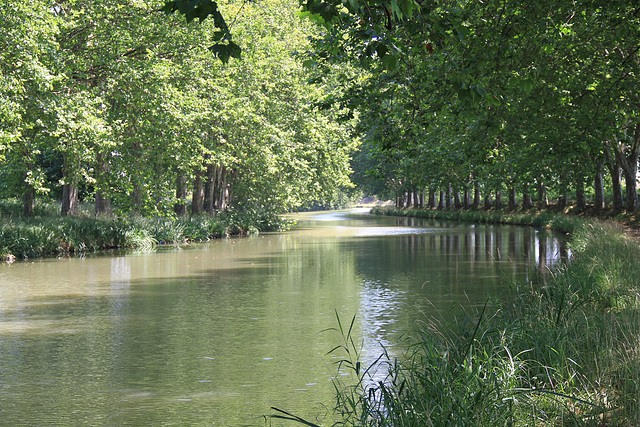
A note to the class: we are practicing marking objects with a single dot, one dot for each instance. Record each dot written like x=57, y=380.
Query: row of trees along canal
x=117, y=102
x=479, y=99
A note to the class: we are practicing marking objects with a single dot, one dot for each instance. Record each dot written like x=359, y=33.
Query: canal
x=218, y=333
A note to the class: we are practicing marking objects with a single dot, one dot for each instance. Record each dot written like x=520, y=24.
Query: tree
x=528, y=94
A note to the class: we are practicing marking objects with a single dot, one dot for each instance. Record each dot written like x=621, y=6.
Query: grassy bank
x=565, y=351
x=49, y=234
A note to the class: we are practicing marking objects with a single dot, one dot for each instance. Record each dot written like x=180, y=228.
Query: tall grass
x=565, y=352
x=53, y=235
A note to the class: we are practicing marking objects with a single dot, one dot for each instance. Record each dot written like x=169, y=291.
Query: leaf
x=381, y=50
x=290, y=417
x=390, y=62
x=355, y=6
x=192, y=9
x=396, y=9
x=224, y=52
x=220, y=35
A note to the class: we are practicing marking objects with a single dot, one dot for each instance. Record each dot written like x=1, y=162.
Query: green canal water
x=217, y=334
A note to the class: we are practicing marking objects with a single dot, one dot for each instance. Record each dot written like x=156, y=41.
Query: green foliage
x=200, y=9
x=490, y=95
x=223, y=47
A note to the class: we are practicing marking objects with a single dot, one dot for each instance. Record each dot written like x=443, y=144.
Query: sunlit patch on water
x=330, y=216
x=392, y=231
x=339, y=215
x=42, y=326
x=379, y=305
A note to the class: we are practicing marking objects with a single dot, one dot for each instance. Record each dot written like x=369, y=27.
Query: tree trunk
x=103, y=205
x=28, y=201
x=476, y=196
x=527, y=203
x=180, y=206
x=223, y=190
x=432, y=199
x=447, y=202
x=209, y=189
x=197, y=201
x=421, y=198
x=441, y=204
x=136, y=196
x=498, y=199
x=69, y=200
x=627, y=152
x=466, y=198
x=416, y=199
x=543, y=198
x=487, y=200
x=631, y=188
x=456, y=199
x=581, y=197
x=513, y=204
x=616, y=187
x=69, y=190
x=615, y=173
x=563, y=200
x=598, y=185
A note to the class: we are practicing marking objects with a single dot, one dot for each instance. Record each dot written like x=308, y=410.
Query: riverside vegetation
x=46, y=233
x=565, y=351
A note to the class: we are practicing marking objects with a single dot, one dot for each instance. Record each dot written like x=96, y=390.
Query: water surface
x=216, y=334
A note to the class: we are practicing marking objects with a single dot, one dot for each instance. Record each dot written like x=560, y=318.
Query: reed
x=54, y=236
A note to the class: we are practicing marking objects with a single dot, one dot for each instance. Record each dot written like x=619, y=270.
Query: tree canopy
x=117, y=102
x=493, y=95
x=247, y=108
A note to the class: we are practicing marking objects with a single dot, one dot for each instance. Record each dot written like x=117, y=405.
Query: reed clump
x=49, y=234
x=46, y=233
x=563, y=352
